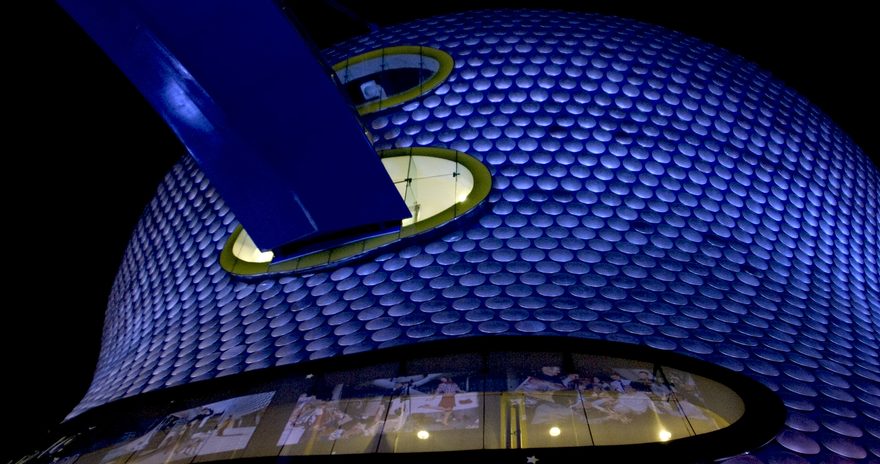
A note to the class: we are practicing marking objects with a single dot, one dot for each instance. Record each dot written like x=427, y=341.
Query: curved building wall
x=648, y=188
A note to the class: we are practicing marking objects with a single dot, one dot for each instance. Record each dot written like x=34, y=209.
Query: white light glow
x=664, y=435
x=246, y=250
x=554, y=431
x=423, y=434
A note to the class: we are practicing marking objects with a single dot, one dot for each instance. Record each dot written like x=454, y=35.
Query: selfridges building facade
x=660, y=244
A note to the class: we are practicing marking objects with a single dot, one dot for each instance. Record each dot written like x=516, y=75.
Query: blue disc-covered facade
x=648, y=189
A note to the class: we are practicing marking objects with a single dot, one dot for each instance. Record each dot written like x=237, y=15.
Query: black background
x=85, y=153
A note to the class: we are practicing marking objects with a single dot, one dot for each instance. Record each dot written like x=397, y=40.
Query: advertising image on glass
x=434, y=412
x=399, y=413
x=333, y=426
x=493, y=400
x=212, y=428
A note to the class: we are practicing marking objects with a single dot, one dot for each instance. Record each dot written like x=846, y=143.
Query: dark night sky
x=91, y=152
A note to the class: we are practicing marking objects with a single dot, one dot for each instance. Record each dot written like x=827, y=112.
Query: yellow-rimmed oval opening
x=437, y=184
x=392, y=76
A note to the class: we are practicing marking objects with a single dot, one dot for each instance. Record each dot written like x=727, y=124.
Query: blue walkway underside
x=255, y=108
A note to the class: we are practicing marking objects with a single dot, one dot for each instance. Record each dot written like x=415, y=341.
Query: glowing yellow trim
x=446, y=65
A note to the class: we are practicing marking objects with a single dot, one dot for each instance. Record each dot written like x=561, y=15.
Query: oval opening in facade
x=391, y=76
x=487, y=398
x=428, y=185
x=438, y=185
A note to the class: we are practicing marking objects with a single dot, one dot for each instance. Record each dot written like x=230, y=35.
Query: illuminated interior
x=437, y=185
x=245, y=249
x=428, y=185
